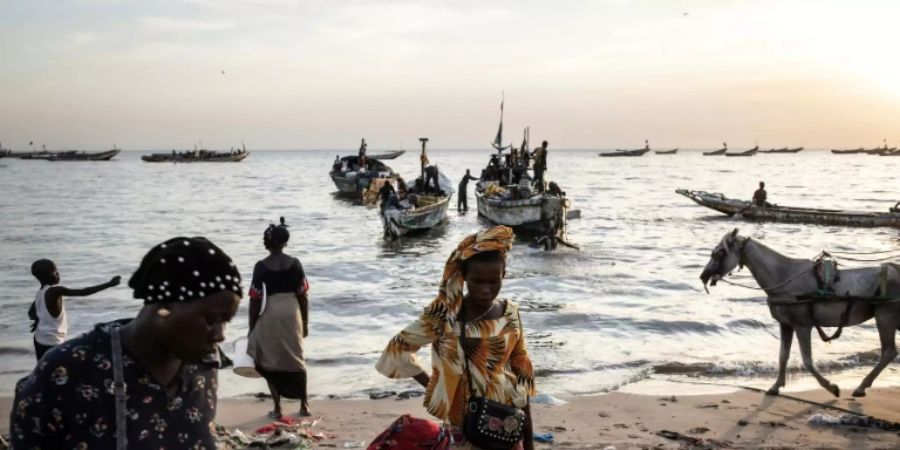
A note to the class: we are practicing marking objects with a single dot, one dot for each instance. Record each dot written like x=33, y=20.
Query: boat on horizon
x=783, y=150
x=415, y=211
x=775, y=213
x=388, y=155
x=848, y=152
x=198, y=155
x=666, y=152
x=718, y=152
x=628, y=153
x=750, y=152
x=75, y=155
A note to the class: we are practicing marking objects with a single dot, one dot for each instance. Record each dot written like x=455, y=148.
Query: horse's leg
x=787, y=337
x=887, y=330
x=803, y=338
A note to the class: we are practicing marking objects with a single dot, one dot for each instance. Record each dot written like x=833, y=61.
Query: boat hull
x=715, y=153
x=402, y=222
x=100, y=156
x=746, y=210
x=625, y=153
x=165, y=157
x=389, y=155
x=522, y=215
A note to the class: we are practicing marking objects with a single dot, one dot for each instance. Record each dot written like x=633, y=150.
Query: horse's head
x=725, y=257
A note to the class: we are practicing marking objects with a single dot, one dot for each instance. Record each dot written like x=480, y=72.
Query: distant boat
x=783, y=150
x=388, y=155
x=74, y=155
x=718, y=152
x=889, y=152
x=849, y=152
x=666, y=152
x=618, y=152
x=195, y=155
x=750, y=152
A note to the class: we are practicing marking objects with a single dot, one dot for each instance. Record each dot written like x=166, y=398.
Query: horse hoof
x=859, y=392
x=772, y=391
x=834, y=389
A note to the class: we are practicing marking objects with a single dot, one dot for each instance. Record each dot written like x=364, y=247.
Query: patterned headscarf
x=184, y=269
x=444, y=309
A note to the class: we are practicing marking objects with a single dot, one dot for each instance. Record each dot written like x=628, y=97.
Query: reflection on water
x=628, y=307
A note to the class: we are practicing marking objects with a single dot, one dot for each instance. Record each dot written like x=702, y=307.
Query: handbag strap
x=119, y=383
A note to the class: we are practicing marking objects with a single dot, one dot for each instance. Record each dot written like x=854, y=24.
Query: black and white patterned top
x=68, y=401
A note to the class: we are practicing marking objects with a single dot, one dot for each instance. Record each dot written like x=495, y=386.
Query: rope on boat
x=888, y=425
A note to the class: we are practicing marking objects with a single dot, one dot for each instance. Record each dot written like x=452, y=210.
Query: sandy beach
x=742, y=419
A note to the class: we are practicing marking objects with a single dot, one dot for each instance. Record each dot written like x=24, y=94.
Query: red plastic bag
x=409, y=433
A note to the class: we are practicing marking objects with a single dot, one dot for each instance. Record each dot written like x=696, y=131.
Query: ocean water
x=626, y=308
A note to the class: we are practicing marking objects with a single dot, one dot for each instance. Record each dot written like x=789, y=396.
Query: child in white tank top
x=48, y=312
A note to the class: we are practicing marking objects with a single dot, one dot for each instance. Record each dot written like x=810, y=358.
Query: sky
x=321, y=74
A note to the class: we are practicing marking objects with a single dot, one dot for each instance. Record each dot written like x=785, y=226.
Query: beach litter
x=546, y=438
x=544, y=399
x=852, y=420
x=285, y=433
x=692, y=442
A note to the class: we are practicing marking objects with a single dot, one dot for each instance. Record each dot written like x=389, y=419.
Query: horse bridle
x=740, y=261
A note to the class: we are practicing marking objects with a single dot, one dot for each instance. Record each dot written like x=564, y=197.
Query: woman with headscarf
x=142, y=383
x=277, y=328
x=478, y=343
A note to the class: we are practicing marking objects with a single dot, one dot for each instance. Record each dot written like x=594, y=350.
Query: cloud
x=175, y=24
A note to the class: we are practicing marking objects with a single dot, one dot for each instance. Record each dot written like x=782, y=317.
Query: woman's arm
x=255, y=294
x=253, y=313
x=423, y=379
x=304, y=311
x=528, y=430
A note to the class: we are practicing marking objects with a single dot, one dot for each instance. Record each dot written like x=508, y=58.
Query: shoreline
x=741, y=419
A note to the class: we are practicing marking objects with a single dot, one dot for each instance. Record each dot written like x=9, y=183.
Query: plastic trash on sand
x=546, y=438
x=544, y=399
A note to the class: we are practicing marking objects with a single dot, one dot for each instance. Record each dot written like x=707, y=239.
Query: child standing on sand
x=48, y=312
x=478, y=349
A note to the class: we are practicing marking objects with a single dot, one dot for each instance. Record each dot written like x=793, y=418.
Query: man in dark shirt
x=385, y=194
x=462, y=199
x=759, y=197
x=540, y=165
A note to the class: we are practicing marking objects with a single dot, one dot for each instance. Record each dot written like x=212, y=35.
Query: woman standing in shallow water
x=141, y=383
x=489, y=358
x=277, y=332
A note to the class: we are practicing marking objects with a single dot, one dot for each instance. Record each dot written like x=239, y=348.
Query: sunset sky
x=305, y=74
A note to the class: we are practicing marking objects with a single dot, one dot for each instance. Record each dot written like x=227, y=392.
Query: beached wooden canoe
x=74, y=155
x=399, y=222
x=750, y=152
x=747, y=210
x=525, y=214
x=666, y=152
x=620, y=153
x=718, y=152
x=388, y=155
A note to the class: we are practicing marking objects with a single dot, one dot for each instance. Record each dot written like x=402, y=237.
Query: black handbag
x=488, y=424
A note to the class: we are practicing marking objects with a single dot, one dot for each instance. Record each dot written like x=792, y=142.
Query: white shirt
x=50, y=330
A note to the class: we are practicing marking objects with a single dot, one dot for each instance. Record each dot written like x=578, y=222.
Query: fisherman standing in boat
x=540, y=165
x=462, y=201
x=361, y=160
x=759, y=197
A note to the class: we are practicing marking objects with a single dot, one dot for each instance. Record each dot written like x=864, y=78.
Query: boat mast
x=498, y=141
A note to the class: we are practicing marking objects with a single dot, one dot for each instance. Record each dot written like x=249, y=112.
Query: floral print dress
x=68, y=401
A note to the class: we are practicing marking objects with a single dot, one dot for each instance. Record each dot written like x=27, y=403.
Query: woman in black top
x=278, y=327
x=167, y=357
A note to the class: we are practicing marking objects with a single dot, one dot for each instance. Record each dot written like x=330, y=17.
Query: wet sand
x=742, y=419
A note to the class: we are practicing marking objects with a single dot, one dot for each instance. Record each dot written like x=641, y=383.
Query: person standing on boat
x=336, y=166
x=361, y=159
x=276, y=333
x=759, y=197
x=48, y=311
x=462, y=201
x=540, y=165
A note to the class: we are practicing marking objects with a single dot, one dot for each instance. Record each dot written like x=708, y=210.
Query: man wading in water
x=759, y=197
x=462, y=201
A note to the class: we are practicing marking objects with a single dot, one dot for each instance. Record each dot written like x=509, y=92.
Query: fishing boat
x=848, y=152
x=750, y=152
x=353, y=181
x=416, y=211
x=746, y=210
x=718, y=152
x=783, y=150
x=75, y=155
x=628, y=153
x=666, y=152
x=388, y=155
x=889, y=152
x=625, y=153
x=519, y=205
x=201, y=155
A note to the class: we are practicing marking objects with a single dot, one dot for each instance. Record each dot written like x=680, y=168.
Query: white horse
x=784, y=279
